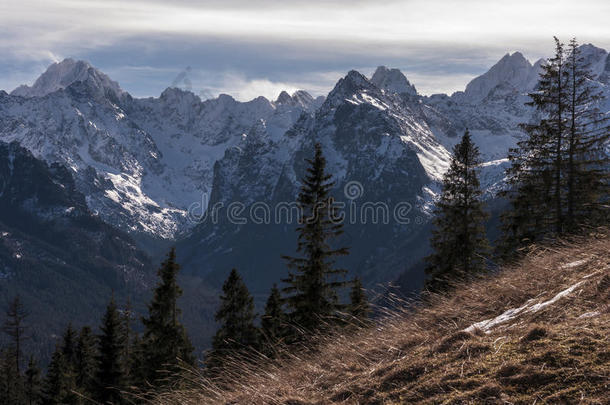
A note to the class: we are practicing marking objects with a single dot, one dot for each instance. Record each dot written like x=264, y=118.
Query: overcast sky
x=247, y=48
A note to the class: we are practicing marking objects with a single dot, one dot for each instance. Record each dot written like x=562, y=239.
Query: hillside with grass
x=534, y=332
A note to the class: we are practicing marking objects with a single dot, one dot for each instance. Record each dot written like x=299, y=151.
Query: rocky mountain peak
x=354, y=83
x=63, y=74
x=513, y=70
x=393, y=81
x=283, y=98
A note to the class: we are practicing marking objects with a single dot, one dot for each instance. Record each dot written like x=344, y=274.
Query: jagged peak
x=392, y=80
x=283, y=98
x=513, y=70
x=63, y=74
x=176, y=92
x=354, y=82
x=299, y=98
x=591, y=49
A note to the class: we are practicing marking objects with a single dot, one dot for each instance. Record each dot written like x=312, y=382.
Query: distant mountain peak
x=283, y=98
x=63, y=74
x=512, y=70
x=352, y=84
x=392, y=80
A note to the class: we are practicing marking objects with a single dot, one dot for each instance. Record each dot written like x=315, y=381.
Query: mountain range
x=144, y=170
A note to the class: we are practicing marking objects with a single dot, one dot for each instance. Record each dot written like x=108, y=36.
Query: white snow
x=574, y=264
x=591, y=314
x=529, y=307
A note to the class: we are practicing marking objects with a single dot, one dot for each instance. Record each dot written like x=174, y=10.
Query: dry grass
x=559, y=354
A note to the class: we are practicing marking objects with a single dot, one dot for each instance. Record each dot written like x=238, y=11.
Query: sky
x=248, y=48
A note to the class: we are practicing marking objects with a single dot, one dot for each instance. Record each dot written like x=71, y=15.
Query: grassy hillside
x=538, y=332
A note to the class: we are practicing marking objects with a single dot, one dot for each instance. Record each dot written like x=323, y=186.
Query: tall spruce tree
x=588, y=164
x=273, y=322
x=458, y=238
x=32, y=383
x=55, y=385
x=14, y=328
x=237, y=333
x=86, y=362
x=313, y=284
x=11, y=382
x=137, y=372
x=359, y=306
x=127, y=317
x=165, y=343
x=111, y=368
x=535, y=176
x=68, y=350
x=559, y=172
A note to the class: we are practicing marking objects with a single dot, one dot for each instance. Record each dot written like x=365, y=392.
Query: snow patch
x=488, y=324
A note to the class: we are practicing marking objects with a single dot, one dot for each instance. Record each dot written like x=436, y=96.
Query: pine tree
x=237, y=333
x=313, y=284
x=86, y=362
x=588, y=164
x=11, y=387
x=359, y=305
x=14, y=327
x=458, y=238
x=55, y=386
x=559, y=171
x=138, y=373
x=165, y=341
x=273, y=322
x=32, y=383
x=127, y=337
x=535, y=176
x=111, y=370
x=68, y=350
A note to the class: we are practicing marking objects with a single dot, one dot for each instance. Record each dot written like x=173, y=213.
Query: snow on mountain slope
x=512, y=71
x=140, y=162
x=373, y=141
x=143, y=162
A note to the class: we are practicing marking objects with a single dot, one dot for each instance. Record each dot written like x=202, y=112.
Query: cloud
x=271, y=43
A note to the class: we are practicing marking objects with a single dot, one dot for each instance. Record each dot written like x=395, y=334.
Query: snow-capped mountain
x=61, y=75
x=140, y=162
x=144, y=163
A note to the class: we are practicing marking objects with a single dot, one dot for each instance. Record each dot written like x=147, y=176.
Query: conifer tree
x=237, y=333
x=359, y=305
x=588, y=164
x=137, y=371
x=111, y=369
x=86, y=362
x=458, y=238
x=165, y=342
x=55, y=386
x=314, y=281
x=11, y=391
x=14, y=328
x=32, y=383
x=127, y=315
x=273, y=322
x=559, y=172
x=68, y=350
x=535, y=176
